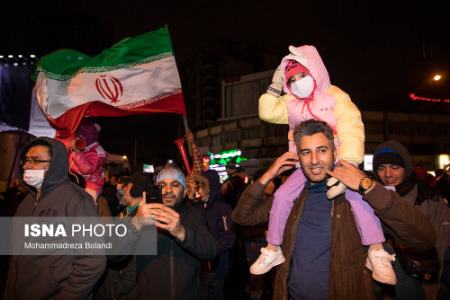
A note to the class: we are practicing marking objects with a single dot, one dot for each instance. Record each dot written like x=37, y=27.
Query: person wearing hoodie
x=310, y=95
x=205, y=190
x=401, y=209
x=44, y=172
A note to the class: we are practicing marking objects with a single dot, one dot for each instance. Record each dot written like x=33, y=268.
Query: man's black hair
x=39, y=142
x=311, y=127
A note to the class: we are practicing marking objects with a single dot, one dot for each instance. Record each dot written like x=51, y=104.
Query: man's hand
x=348, y=174
x=162, y=216
x=284, y=162
x=143, y=216
x=168, y=219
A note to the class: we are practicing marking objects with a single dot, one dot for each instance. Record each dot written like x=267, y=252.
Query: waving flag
x=137, y=75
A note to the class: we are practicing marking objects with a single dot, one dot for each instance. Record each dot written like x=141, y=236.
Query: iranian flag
x=136, y=76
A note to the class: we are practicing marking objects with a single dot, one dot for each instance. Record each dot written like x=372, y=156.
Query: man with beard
x=324, y=255
x=183, y=241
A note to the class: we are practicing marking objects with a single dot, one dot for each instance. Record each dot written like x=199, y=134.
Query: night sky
x=375, y=50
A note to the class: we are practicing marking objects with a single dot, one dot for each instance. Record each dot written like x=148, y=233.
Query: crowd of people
x=209, y=234
x=312, y=225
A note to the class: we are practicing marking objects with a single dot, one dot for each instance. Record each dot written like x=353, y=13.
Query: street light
x=443, y=160
x=437, y=77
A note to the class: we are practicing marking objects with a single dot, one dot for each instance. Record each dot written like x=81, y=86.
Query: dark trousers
x=407, y=288
x=212, y=286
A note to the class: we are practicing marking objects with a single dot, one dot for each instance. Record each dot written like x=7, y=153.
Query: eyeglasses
x=33, y=161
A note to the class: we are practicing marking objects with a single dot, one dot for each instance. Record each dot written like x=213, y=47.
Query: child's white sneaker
x=380, y=263
x=267, y=260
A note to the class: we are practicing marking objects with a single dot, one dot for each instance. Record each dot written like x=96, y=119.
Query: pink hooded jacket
x=89, y=163
x=328, y=103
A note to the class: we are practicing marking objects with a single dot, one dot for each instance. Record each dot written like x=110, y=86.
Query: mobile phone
x=153, y=193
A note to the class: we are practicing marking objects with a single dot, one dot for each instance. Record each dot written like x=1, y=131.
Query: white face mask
x=34, y=177
x=302, y=88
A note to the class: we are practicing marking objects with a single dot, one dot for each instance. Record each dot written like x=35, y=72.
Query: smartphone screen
x=153, y=193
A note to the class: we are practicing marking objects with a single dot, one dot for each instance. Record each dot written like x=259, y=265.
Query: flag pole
x=185, y=123
x=180, y=144
x=186, y=130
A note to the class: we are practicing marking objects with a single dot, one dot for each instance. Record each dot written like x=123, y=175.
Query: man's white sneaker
x=380, y=263
x=266, y=261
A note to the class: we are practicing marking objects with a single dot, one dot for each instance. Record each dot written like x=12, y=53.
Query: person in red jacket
x=87, y=157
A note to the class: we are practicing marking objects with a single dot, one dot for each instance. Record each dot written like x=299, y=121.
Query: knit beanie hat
x=294, y=68
x=170, y=172
x=387, y=156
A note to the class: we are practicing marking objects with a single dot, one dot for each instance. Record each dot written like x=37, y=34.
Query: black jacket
x=218, y=215
x=174, y=273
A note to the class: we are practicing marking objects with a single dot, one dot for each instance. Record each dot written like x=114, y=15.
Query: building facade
x=427, y=136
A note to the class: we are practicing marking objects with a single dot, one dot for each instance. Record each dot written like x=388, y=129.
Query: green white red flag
x=135, y=76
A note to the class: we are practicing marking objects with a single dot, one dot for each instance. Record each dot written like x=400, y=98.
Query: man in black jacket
x=183, y=241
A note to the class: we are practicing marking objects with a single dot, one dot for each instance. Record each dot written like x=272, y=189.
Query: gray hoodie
x=53, y=276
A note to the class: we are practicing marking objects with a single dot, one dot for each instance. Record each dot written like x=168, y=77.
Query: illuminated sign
x=218, y=161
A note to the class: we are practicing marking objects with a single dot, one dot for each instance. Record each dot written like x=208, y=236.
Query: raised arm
x=253, y=207
x=272, y=107
x=406, y=221
x=400, y=216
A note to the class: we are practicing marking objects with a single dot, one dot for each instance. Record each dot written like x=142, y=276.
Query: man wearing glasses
x=44, y=171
